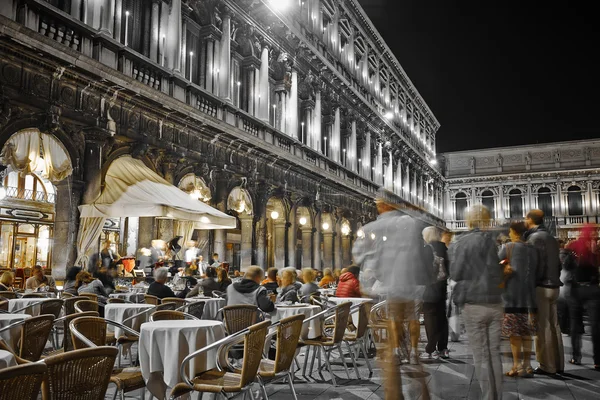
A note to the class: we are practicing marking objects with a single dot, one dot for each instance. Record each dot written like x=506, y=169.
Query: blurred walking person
x=519, y=299
x=549, y=349
x=568, y=264
x=392, y=247
x=585, y=293
x=475, y=267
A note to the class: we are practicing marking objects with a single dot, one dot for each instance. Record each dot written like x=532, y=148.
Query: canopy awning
x=133, y=190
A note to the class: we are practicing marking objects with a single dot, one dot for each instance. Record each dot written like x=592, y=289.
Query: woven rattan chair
x=22, y=382
x=149, y=299
x=287, y=334
x=62, y=323
x=79, y=374
x=116, y=300
x=378, y=320
x=34, y=335
x=195, y=308
x=166, y=307
x=66, y=295
x=90, y=332
x=178, y=302
x=239, y=317
x=86, y=305
x=34, y=296
x=90, y=296
x=357, y=341
x=217, y=381
x=170, y=315
x=18, y=283
x=69, y=304
x=53, y=306
x=8, y=295
x=328, y=344
x=4, y=305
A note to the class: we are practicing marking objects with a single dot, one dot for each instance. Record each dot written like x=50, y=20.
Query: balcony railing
x=29, y=195
x=577, y=220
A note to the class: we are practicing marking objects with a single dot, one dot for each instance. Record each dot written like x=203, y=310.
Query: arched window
x=515, y=204
x=545, y=201
x=487, y=200
x=28, y=187
x=461, y=206
x=574, y=200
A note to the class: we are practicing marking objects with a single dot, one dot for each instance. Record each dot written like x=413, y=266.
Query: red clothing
x=348, y=286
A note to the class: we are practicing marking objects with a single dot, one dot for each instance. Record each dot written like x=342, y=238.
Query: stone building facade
x=562, y=179
x=288, y=115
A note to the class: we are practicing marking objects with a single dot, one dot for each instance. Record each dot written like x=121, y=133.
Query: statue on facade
x=499, y=160
x=556, y=156
x=472, y=165
x=528, y=159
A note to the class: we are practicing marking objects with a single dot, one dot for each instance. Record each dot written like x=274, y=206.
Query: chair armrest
x=123, y=327
x=4, y=346
x=80, y=336
x=150, y=310
x=25, y=308
x=13, y=325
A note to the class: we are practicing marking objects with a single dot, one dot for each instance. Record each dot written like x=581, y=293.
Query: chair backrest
x=363, y=319
x=4, y=305
x=22, y=382
x=79, y=374
x=342, y=314
x=149, y=299
x=8, y=295
x=66, y=295
x=18, y=282
x=86, y=305
x=69, y=304
x=166, y=307
x=178, y=302
x=166, y=315
x=195, y=308
x=90, y=296
x=34, y=296
x=288, y=334
x=114, y=300
x=93, y=328
x=239, y=317
x=254, y=342
x=53, y=307
x=378, y=313
x=34, y=335
x=66, y=320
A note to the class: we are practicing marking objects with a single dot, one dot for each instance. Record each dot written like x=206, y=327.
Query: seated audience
x=39, y=281
x=309, y=287
x=86, y=283
x=296, y=281
x=271, y=283
x=249, y=290
x=288, y=290
x=206, y=285
x=158, y=287
x=223, y=278
x=349, y=285
x=70, y=285
x=6, y=281
x=327, y=279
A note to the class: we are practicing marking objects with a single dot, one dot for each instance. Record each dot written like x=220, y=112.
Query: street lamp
x=325, y=226
x=274, y=215
x=303, y=221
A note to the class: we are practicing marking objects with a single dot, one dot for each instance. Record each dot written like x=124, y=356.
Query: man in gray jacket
x=549, y=349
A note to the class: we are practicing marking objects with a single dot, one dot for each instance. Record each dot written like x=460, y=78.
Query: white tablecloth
x=212, y=305
x=7, y=359
x=119, y=312
x=17, y=304
x=354, y=301
x=311, y=329
x=164, y=344
x=133, y=297
x=11, y=336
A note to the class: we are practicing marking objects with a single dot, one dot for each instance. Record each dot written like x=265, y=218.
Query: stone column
x=335, y=144
x=107, y=12
x=307, y=245
x=317, y=251
x=184, y=52
x=307, y=131
x=146, y=231
x=328, y=249
x=118, y=19
x=263, y=99
x=210, y=64
x=174, y=36
x=220, y=243
x=346, y=250
x=94, y=140
x=292, y=128
x=501, y=214
x=131, y=245
x=281, y=108
x=249, y=84
x=66, y=226
x=338, y=258
x=225, y=57
x=279, y=242
x=75, y=9
x=316, y=133
x=246, y=245
x=352, y=150
x=292, y=229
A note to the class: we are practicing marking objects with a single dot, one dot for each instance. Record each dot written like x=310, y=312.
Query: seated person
x=349, y=285
x=104, y=275
x=309, y=287
x=207, y=285
x=288, y=291
x=39, y=281
x=327, y=279
x=6, y=281
x=71, y=281
x=271, y=283
x=249, y=291
x=223, y=278
x=158, y=287
x=86, y=283
x=296, y=282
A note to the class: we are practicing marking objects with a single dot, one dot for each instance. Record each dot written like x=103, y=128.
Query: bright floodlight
x=274, y=215
x=325, y=226
x=280, y=5
x=433, y=161
x=303, y=221
x=389, y=115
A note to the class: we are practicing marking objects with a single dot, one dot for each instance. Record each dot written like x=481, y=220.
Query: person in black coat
x=158, y=287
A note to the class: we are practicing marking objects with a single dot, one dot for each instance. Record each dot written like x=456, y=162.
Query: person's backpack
x=439, y=267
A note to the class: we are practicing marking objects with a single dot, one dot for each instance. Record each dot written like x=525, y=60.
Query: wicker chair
x=149, y=299
x=4, y=305
x=8, y=295
x=69, y=304
x=328, y=344
x=356, y=342
x=91, y=332
x=65, y=295
x=34, y=296
x=170, y=315
x=378, y=320
x=53, y=306
x=218, y=381
x=22, y=382
x=178, y=302
x=195, y=308
x=90, y=296
x=63, y=324
x=34, y=335
x=288, y=333
x=18, y=283
x=166, y=307
x=79, y=374
x=239, y=317
x=86, y=305
x=116, y=300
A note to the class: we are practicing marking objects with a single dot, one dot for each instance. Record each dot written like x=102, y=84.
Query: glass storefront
x=24, y=244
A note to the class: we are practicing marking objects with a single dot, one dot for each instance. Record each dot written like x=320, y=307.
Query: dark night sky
x=498, y=73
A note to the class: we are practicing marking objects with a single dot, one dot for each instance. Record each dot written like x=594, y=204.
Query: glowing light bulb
x=274, y=215
x=303, y=221
x=325, y=226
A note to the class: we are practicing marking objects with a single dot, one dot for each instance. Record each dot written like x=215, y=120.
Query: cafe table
x=119, y=312
x=310, y=330
x=19, y=304
x=7, y=359
x=11, y=336
x=164, y=344
x=132, y=297
x=212, y=305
